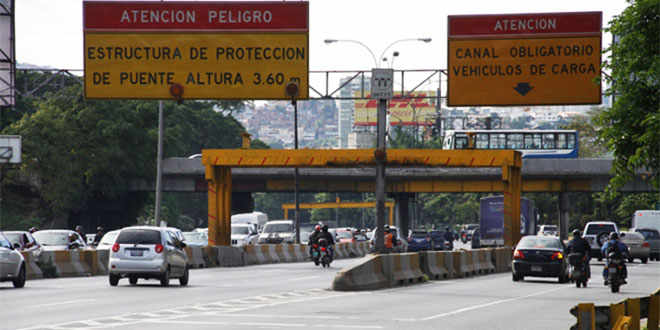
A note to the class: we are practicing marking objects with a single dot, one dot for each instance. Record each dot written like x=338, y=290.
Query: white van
x=646, y=219
x=258, y=218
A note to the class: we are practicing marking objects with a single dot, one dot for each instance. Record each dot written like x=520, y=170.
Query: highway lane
x=288, y=296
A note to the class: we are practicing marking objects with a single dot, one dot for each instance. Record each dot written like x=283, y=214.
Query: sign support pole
x=380, y=176
x=159, y=166
x=295, y=171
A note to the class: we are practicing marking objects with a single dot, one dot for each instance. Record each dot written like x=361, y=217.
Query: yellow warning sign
x=207, y=65
x=541, y=71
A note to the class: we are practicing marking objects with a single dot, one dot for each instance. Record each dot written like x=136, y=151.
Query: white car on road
x=12, y=263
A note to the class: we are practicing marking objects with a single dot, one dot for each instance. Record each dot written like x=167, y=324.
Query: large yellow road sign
x=214, y=50
x=529, y=59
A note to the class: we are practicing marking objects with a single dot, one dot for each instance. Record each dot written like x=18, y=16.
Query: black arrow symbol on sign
x=523, y=88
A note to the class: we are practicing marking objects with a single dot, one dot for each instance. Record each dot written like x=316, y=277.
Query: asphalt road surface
x=297, y=295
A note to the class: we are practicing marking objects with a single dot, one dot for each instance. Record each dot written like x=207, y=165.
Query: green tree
x=590, y=144
x=631, y=128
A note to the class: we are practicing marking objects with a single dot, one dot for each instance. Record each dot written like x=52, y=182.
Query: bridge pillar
x=512, y=181
x=402, y=213
x=219, y=196
x=563, y=215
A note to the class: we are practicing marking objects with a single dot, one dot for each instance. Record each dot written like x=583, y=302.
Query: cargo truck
x=491, y=220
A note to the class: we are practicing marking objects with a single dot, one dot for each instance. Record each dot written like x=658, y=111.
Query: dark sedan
x=419, y=241
x=540, y=256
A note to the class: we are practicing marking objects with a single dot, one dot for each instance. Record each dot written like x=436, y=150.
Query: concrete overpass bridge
x=538, y=175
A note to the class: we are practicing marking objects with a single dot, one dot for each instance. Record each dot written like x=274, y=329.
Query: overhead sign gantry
x=209, y=50
x=524, y=59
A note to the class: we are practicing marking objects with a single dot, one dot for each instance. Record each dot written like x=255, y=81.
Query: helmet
x=324, y=228
x=447, y=228
x=99, y=228
x=33, y=229
x=577, y=233
x=614, y=235
x=387, y=228
x=317, y=228
x=78, y=227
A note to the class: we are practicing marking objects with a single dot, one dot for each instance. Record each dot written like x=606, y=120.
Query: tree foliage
x=631, y=128
x=590, y=144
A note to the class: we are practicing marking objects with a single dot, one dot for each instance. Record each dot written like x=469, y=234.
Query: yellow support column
x=653, y=321
x=219, y=209
x=586, y=315
x=617, y=313
x=511, y=177
x=633, y=310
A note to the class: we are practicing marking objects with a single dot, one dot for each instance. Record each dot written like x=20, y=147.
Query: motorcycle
x=615, y=275
x=324, y=254
x=449, y=246
x=316, y=254
x=578, y=271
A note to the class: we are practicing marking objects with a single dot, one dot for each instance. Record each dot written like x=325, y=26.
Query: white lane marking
x=260, y=324
x=497, y=302
x=303, y=278
x=281, y=316
x=64, y=303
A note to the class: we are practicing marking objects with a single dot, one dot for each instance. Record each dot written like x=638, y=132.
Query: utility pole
x=292, y=91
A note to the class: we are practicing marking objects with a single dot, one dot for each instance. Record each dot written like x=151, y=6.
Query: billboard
x=416, y=109
x=214, y=50
x=7, y=54
x=524, y=59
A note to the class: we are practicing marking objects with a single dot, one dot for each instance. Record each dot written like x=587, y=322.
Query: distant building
x=361, y=140
x=347, y=107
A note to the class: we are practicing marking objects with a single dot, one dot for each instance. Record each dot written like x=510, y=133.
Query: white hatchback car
x=150, y=253
x=12, y=263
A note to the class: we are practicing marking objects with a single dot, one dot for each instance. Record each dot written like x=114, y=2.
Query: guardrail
x=626, y=314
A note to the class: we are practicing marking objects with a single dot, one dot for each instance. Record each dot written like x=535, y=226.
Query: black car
x=540, y=256
x=437, y=240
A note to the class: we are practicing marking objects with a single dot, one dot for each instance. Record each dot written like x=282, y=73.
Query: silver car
x=150, y=253
x=12, y=264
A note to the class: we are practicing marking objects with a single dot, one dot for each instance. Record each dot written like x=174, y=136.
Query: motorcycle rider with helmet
x=314, y=238
x=328, y=237
x=580, y=245
x=619, y=248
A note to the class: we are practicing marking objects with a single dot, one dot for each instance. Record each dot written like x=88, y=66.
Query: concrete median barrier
x=462, y=264
x=437, y=265
x=229, y=256
x=404, y=268
x=367, y=274
x=210, y=255
x=483, y=261
x=67, y=263
x=341, y=251
x=195, y=256
x=261, y=254
x=95, y=264
x=31, y=268
x=502, y=258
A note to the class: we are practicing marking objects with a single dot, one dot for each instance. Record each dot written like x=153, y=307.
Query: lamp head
x=329, y=41
x=427, y=40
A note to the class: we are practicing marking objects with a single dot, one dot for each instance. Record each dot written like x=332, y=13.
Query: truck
x=646, y=219
x=257, y=218
x=491, y=220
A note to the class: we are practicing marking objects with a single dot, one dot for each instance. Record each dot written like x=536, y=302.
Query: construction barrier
x=626, y=314
x=463, y=264
x=437, y=265
x=96, y=265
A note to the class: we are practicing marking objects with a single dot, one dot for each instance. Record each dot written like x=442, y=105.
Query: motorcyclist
x=449, y=237
x=98, y=236
x=314, y=238
x=73, y=242
x=328, y=237
x=580, y=245
x=619, y=248
x=388, y=239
